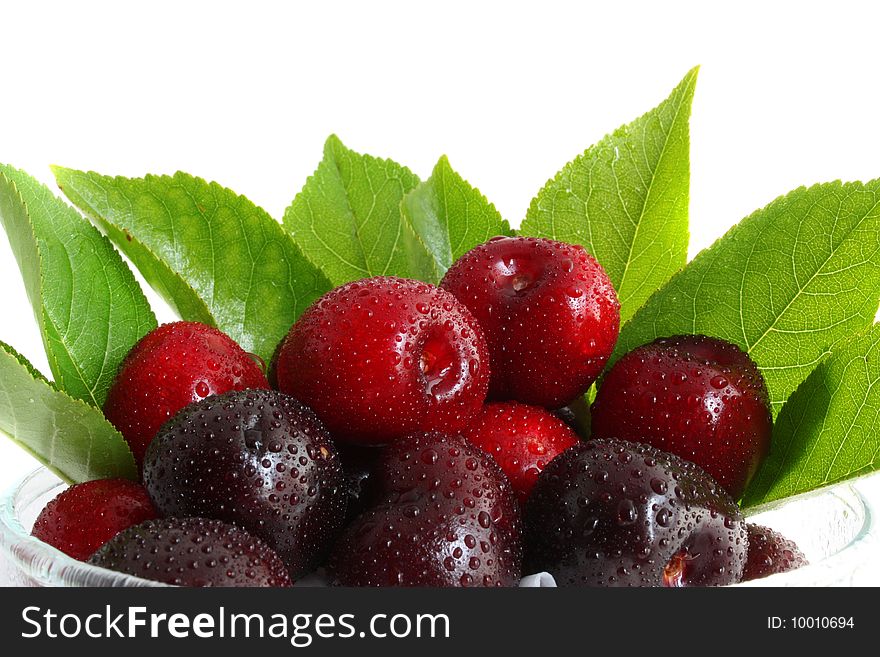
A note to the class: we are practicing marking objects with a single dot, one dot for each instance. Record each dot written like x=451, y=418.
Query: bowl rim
x=50, y=566
x=830, y=570
x=44, y=563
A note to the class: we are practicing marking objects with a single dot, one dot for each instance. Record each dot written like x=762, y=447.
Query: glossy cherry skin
x=445, y=516
x=522, y=439
x=770, y=553
x=615, y=513
x=256, y=458
x=698, y=397
x=85, y=516
x=549, y=312
x=193, y=552
x=170, y=367
x=380, y=358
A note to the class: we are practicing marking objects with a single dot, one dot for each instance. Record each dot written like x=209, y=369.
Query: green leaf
x=786, y=284
x=348, y=219
x=88, y=305
x=212, y=254
x=626, y=200
x=71, y=438
x=827, y=431
x=450, y=216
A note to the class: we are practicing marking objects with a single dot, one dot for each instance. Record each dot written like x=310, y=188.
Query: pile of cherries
x=415, y=435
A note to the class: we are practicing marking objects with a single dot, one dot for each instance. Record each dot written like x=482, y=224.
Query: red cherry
x=700, y=398
x=522, y=439
x=380, y=358
x=549, y=313
x=85, y=516
x=172, y=366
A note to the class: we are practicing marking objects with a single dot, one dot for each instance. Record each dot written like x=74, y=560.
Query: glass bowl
x=834, y=528
x=27, y=561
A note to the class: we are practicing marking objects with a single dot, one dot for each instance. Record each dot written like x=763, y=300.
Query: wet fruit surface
x=522, y=439
x=256, y=458
x=193, y=552
x=384, y=357
x=770, y=553
x=701, y=398
x=614, y=513
x=549, y=313
x=85, y=516
x=172, y=366
x=447, y=516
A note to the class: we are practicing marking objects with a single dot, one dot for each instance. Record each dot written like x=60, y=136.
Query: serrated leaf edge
x=174, y=178
x=617, y=132
x=42, y=317
x=103, y=225
x=685, y=88
x=40, y=378
x=753, y=216
x=444, y=161
x=333, y=141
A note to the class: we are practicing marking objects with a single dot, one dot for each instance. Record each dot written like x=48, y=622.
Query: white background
x=246, y=93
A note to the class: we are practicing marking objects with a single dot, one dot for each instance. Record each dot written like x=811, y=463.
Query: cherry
x=770, y=553
x=256, y=458
x=85, y=516
x=380, y=358
x=522, y=439
x=698, y=397
x=192, y=552
x=170, y=367
x=549, y=312
x=445, y=516
x=615, y=513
